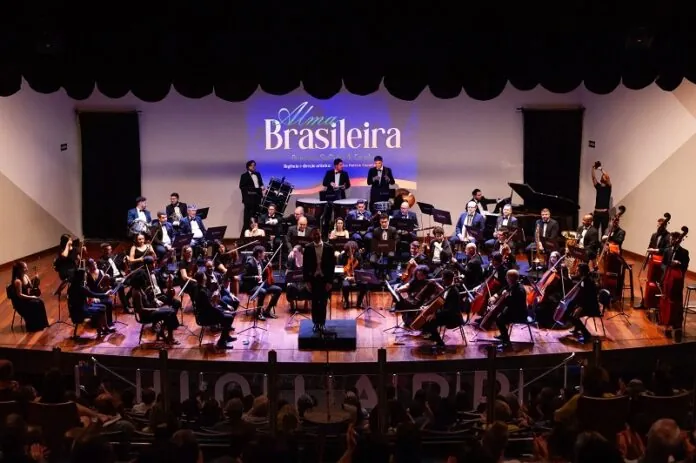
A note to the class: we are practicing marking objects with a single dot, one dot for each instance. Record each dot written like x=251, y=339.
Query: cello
x=609, y=261
x=653, y=263
x=671, y=304
x=484, y=291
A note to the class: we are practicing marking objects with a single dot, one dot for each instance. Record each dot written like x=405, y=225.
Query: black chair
x=677, y=407
x=606, y=416
x=457, y=326
x=9, y=289
x=203, y=323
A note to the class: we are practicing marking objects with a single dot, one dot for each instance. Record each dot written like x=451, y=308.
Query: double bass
x=671, y=304
x=653, y=263
x=609, y=262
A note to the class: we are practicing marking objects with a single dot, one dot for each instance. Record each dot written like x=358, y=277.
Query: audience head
x=495, y=440
x=234, y=409
x=6, y=371
x=591, y=447
x=186, y=448
x=664, y=440
x=594, y=381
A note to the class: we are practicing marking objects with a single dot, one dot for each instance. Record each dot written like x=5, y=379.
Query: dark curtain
x=552, y=146
x=110, y=171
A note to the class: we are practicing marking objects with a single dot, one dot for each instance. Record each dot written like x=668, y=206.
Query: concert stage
x=407, y=351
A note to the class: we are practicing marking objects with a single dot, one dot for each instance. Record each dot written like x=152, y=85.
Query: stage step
x=340, y=335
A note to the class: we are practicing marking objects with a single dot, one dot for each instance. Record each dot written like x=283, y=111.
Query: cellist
x=350, y=260
x=584, y=303
x=551, y=286
x=675, y=264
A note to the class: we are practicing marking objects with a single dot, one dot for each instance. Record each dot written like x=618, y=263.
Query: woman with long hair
x=30, y=307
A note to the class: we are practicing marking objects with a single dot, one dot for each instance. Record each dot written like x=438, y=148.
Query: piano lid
x=535, y=200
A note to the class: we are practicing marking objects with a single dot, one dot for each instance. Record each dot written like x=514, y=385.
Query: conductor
x=318, y=270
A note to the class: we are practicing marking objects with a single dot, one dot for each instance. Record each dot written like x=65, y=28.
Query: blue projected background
x=298, y=138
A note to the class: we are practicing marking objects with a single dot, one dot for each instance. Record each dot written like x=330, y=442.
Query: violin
x=350, y=267
x=35, y=283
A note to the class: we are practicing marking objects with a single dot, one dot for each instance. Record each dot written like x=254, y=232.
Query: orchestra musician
x=255, y=279
x=115, y=271
x=585, y=304
x=514, y=306
x=96, y=281
x=212, y=311
x=481, y=201
x=553, y=290
x=82, y=305
x=295, y=291
x=439, y=249
x=339, y=231
x=659, y=241
x=471, y=267
x=65, y=262
x=187, y=269
x=139, y=217
x=162, y=235
x=675, y=263
x=139, y=250
x=218, y=282
x=251, y=185
x=361, y=213
x=336, y=181
x=229, y=264
x=154, y=311
x=450, y=315
x=254, y=231
x=548, y=232
x=602, y=198
x=301, y=230
x=192, y=223
x=25, y=300
x=351, y=261
x=404, y=213
x=417, y=293
x=379, y=260
x=588, y=237
x=271, y=223
x=161, y=283
x=504, y=226
x=617, y=236
x=470, y=225
x=175, y=210
x=318, y=270
x=416, y=258
x=379, y=178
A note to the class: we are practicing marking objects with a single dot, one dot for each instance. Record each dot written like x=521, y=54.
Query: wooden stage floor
x=282, y=337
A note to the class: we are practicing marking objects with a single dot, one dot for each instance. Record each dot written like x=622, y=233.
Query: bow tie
x=318, y=245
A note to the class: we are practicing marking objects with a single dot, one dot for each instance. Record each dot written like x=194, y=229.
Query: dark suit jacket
x=353, y=215
x=328, y=263
x=516, y=304
x=275, y=229
x=379, y=186
x=618, y=235
x=292, y=234
x=246, y=184
x=411, y=216
x=452, y=310
x=552, y=230
x=157, y=233
x=659, y=240
x=185, y=225
x=344, y=180
x=251, y=271
x=479, y=223
x=472, y=268
x=170, y=211
x=133, y=216
x=512, y=223
x=445, y=254
x=591, y=241
x=377, y=236
x=680, y=254
x=484, y=202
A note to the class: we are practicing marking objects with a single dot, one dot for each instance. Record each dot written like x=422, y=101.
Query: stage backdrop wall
x=646, y=140
x=443, y=148
x=39, y=182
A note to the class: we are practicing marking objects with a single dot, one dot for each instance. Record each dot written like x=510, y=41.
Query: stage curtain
x=552, y=148
x=111, y=172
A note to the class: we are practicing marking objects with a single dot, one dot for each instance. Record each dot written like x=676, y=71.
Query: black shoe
x=269, y=314
x=315, y=328
x=261, y=317
x=223, y=345
x=504, y=345
x=582, y=339
x=231, y=339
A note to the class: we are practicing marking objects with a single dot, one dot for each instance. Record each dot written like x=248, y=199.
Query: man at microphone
x=379, y=178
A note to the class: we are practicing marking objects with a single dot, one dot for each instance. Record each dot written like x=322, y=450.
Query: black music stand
x=203, y=212
x=338, y=243
x=357, y=226
x=404, y=225
x=367, y=277
x=301, y=240
x=215, y=233
x=295, y=276
x=442, y=217
x=426, y=209
x=397, y=328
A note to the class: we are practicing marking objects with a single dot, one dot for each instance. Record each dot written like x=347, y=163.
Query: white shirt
x=505, y=222
x=272, y=220
x=437, y=250
x=319, y=251
x=114, y=269
x=337, y=179
x=385, y=234
x=155, y=287
x=165, y=236
x=543, y=231
x=177, y=212
x=301, y=232
x=480, y=207
x=379, y=174
x=258, y=267
x=581, y=241
x=141, y=215
x=255, y=179
x=196, y=230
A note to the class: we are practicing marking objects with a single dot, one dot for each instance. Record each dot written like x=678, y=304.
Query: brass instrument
x=176, y=216
x=539, y=258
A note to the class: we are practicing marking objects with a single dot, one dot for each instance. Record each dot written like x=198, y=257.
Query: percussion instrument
x=343, y=206
x=138, y=227
x=571, y=238
x=429, y=310
x=278, y=193
x=313, y=207
x=381, y=206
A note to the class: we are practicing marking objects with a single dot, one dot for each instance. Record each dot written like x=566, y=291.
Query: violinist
x=139, y=250
x=449, y=315
x=83, y=303
x=504, y=226
x=192, y=223
x=162, y=235
x=161, y=283
x=318, y=270
x=350, y=260
x=228, y=263
x=255, y=279
x=440, y=251
x=659, y=241
x=471, y=266
x=212, y=311
x=29, y=306
x=97, y=282
x=416, y=258
x=584, y=304
x=295, y=291
x=675, y=264
x=175, y=210
x=114, y=268
x=514, y=310
x=154, y=311
x=217, y=282
x=187, y=270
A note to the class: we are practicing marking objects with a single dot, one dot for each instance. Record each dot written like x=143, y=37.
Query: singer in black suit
x=588, y=237
x=379, y=178
x=251, y=185
x=318, y=271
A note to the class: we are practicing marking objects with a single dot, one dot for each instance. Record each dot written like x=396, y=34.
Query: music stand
x=397, y=325
x=215, y=233
x=367, y=277
x=401, y=224
x=203, y=212
x=357, y=226
x=294, y=276
x=254, y=324
x=442, y=217
x=338, y=243
x=426, y=209
x=301, y=240
x=182, y=240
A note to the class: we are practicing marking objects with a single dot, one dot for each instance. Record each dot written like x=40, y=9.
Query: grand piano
x=562, y=209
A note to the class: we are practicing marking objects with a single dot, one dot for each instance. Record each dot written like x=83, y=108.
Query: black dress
x=33, y=311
